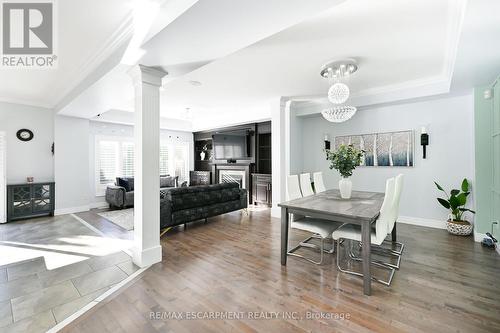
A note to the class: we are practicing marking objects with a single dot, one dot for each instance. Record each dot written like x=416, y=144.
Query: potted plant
x=455, y=202
x=345, y=159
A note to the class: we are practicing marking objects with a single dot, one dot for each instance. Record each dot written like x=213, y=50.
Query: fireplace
x=232, y=176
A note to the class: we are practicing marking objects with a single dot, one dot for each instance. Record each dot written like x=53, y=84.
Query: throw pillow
x=168, y=181
x=123, y=183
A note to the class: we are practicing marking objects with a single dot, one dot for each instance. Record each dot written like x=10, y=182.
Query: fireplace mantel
x=247, y=168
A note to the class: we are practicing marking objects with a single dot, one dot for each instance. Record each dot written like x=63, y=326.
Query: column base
x=146, y=257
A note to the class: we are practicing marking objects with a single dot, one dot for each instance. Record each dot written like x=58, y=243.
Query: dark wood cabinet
x=261, y=189
x=30, y=200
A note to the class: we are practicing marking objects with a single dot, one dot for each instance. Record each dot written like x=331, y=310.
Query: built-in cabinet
x=257, y=167
x=261, y=189
x=30, y=200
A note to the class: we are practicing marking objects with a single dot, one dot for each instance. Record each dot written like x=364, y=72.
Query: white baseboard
x=71, y=210
x=431, y=223
x=478, y=236
x=98, y=205
x=146, y=257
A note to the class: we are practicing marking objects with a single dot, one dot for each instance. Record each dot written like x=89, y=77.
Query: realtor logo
x=28, y=34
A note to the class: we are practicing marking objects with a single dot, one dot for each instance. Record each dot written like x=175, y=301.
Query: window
x=164, y=169
x=127, y=159
x=107, y=161
x=115, y=158
x=174, y=159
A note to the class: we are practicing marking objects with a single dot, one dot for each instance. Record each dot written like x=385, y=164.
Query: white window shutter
x=127, y=159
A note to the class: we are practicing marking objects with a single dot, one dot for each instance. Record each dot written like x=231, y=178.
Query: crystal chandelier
x=339, y=114
x=339, y=92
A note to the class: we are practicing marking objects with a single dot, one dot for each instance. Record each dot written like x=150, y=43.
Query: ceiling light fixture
x=339, y=114
x=195, y=83
x=339, y=92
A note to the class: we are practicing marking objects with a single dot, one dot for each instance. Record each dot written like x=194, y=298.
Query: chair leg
x=391, y=270
x=394, y=241
x=311, y=246
x=383, y=251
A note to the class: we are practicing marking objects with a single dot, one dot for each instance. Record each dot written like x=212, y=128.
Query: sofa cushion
x=198, y=213
x=168, y=181
x=199, y=196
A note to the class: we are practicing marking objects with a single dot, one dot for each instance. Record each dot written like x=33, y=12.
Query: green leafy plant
x=456, y=200
x=345, y=159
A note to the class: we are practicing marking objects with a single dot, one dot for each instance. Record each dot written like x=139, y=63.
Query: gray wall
x=71, y=164
x=110, y=129
x=33, y=158
x=450, y=155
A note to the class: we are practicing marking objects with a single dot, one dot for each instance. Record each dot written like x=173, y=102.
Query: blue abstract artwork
x=392, y=149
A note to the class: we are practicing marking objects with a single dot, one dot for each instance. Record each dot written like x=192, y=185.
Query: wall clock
x=24, y=134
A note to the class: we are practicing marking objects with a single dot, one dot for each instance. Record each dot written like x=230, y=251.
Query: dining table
x=362, y=208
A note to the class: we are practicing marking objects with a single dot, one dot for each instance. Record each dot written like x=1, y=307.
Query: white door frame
x=3, y=178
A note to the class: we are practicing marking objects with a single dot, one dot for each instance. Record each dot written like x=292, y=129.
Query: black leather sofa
x=186, y=204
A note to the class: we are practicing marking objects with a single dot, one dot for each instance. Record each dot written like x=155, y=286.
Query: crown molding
x=408, y=90
x=75, y=82
x=31, y=103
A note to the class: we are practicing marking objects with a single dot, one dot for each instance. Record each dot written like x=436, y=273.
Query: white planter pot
x=345, y=187
x=202, y=155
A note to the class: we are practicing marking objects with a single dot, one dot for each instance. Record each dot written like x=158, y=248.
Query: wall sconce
x=327, y=142
x=424, y=140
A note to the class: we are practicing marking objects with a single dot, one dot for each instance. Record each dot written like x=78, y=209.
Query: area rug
x=123, y=217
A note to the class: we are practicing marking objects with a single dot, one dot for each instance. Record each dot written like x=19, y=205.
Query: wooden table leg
x=284, y=234
x=365, y=238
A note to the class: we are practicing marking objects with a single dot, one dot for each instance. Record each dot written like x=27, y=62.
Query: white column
x=147, y=248
x=280, y=137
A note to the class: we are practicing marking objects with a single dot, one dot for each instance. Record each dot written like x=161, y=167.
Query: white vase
x=345, y=187
x=202, y=155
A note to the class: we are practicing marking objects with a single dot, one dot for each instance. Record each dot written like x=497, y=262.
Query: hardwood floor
x=232, y=263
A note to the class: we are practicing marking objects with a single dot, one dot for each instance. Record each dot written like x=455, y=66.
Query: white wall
x=33, y=158
x=450, y=155
x=71, y=164
x=102, y=128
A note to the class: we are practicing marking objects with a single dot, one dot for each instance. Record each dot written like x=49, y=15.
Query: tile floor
x=51, y=267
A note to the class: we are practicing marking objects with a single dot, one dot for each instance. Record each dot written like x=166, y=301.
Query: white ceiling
x=397, y=44
x=85, y=29
x=246, y=53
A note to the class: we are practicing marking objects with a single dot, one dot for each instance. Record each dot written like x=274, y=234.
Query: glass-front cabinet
x=30, y=200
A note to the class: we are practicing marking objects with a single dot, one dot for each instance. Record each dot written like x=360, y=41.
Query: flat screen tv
x=230, y=145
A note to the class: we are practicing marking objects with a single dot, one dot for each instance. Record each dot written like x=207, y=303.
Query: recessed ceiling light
x=195, y=83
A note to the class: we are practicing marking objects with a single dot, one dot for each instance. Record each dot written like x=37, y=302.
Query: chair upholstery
x=293, y=187
x=398, y=188
x=323, y=228
x=319, y=186
x=378, y=235
x=305, y=184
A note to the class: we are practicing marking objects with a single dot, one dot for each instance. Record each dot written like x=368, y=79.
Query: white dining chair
x=395, y=213
x=321, y=229
x=305, y=184
x=319, y=185
x=353, y=233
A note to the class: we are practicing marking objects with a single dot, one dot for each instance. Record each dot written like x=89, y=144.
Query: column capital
x=146, y=74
